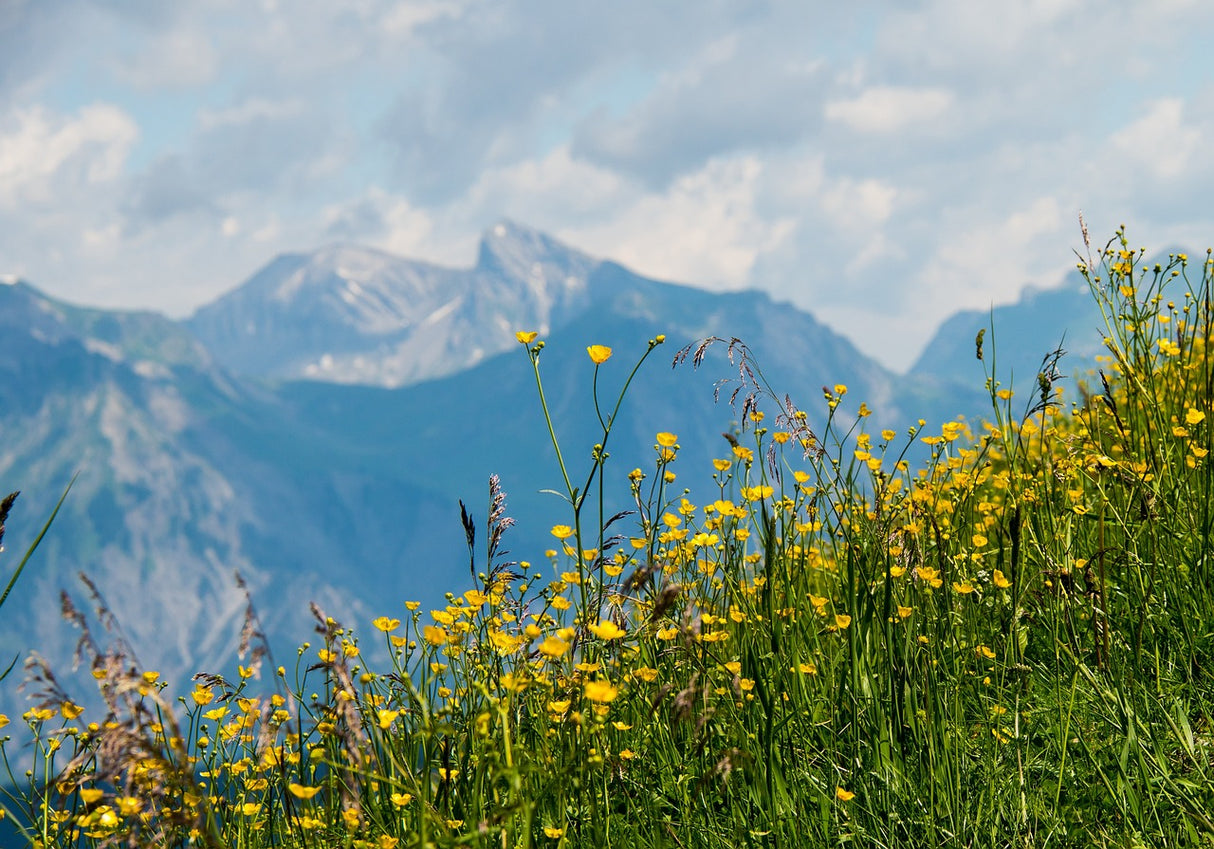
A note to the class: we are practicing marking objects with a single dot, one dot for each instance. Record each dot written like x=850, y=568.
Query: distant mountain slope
x=1023, y=333
x=453, y=432
x=184, y=477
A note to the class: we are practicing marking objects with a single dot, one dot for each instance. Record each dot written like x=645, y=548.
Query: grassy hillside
x=1004, y=645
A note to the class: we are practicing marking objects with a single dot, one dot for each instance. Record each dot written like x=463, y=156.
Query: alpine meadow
x=994, y=633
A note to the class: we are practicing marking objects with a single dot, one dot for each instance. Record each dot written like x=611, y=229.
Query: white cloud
x=1160, y=141
x=993, y=258
x=403, y=19
x=887, y=109
x=385, y=221
x=178, y=58
x=548, y=190
x=856, y=204
x=43, y=155
x=253, y=109
x=704, y=228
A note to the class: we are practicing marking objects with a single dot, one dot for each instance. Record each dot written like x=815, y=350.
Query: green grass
x=1007, y=644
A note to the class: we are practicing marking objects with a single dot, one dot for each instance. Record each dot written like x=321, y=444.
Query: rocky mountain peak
x=521, y=253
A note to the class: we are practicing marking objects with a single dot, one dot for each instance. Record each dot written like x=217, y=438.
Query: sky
x=879, y=164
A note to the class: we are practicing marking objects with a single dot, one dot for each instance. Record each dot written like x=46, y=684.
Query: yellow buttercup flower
x=607, y=630
x=600, y=691
x=553, y=647
x=525, y=337
x=599, y=354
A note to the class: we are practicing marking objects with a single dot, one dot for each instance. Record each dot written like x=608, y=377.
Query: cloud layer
x=879, y=164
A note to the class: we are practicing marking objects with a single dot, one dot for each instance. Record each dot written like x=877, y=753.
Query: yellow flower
x=385, y=624
x=553, y=647
x=401, y=799
x=927, y=573
x=435, y=636
x=607, y=630
x=70, y=710
x=904, y=612
x=844, y=795
x=553, y=832
x=562, y=531
x=599, y=354
x=1194, y=417
x=667, y=440
x=385, y=718
x=299, y=791
x=525, y=337
x=842, y=620
x=1000, y=581
x=600, y=691
x=965, y=588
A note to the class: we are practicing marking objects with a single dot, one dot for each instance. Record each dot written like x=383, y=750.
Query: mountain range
x=316, y=428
